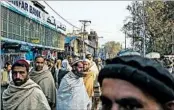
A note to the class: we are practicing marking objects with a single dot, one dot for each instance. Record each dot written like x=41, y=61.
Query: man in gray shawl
x=43, y=77
x=72, y=93
x=23, y=93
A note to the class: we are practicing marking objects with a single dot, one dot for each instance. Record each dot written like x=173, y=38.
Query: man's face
x=121, y=95
x=39, y=63
x=19, y=75
x=86, y=66
x=89, y=57
x=9, y=67
x=70, y=60
x=50, y=63
x=99, y=61
x=46, y=63
x=79, y=68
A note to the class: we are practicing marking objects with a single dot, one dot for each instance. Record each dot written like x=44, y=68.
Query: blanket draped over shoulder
x=45, y=80
x=72, y=94
x=28, y=96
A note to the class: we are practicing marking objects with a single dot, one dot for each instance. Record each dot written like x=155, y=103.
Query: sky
x=107, y=17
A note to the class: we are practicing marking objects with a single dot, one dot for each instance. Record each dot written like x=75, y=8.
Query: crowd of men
x=124, y=83
x=58, y=85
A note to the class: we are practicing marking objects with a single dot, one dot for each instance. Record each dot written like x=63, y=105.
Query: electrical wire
x=61, y=16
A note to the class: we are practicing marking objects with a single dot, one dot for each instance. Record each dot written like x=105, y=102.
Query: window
x=48, y=36
x=16, y=26
x=55, y=39
x=3, y=22
x=22, y=21
x=11, y=16
x=43, y=35
x=3, y=12
x=10, y=30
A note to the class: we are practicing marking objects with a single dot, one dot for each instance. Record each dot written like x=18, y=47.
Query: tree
x=134, y=25
x=112, y=48
x=159, y=27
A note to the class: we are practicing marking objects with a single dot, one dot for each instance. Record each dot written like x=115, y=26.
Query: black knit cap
x=145, y=73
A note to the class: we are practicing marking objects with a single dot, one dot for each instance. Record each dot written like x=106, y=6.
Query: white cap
x=86, y=60
x=75, y=62
x=28, y=62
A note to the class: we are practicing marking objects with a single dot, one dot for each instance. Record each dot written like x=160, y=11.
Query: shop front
x=14, y=51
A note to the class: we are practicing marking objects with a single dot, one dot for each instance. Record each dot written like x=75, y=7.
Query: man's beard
x=80, y=74
x=19, y=82
x=39, y=68
x=86, y=70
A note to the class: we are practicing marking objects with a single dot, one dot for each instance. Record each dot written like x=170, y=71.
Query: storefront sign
x=57, y=24
x=25, y=48
x=35, y=41
x=10, y=50
x=30, y=10
x=28, y=7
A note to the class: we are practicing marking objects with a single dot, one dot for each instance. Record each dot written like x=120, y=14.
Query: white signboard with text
x=28, y=9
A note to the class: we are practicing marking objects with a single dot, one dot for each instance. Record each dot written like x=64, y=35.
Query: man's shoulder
x=68, y=77
x=3, y=71
x=90, y=71
x=47, y=71
x=37, y=92
x=47, y=74
x=61, y=71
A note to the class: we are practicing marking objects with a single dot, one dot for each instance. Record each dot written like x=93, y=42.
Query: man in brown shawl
x=88, y=80
x=23, y=93
x=43, y=77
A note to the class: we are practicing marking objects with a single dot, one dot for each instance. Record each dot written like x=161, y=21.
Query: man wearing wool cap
x=23, y=93
x=136, y=83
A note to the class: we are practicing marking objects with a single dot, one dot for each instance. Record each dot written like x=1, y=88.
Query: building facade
x=93, y=44
x=27, y=30
x=74, y=44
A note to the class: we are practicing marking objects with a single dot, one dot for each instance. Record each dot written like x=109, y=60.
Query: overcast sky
x=106, y=16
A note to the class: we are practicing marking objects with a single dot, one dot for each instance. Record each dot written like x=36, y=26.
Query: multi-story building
x=28, y=30
x=74, y=44
x=92, y=43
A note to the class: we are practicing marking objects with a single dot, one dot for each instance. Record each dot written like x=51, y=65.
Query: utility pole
x=133, y=26
x=144, y=33
x=125, y=40
x=97, y=46
x=84, y=22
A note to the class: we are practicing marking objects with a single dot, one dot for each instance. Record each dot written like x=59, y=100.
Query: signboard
x=57, y=24
x=35, y=40
x=28, y=9
x=10, y=50
x=25, y=48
